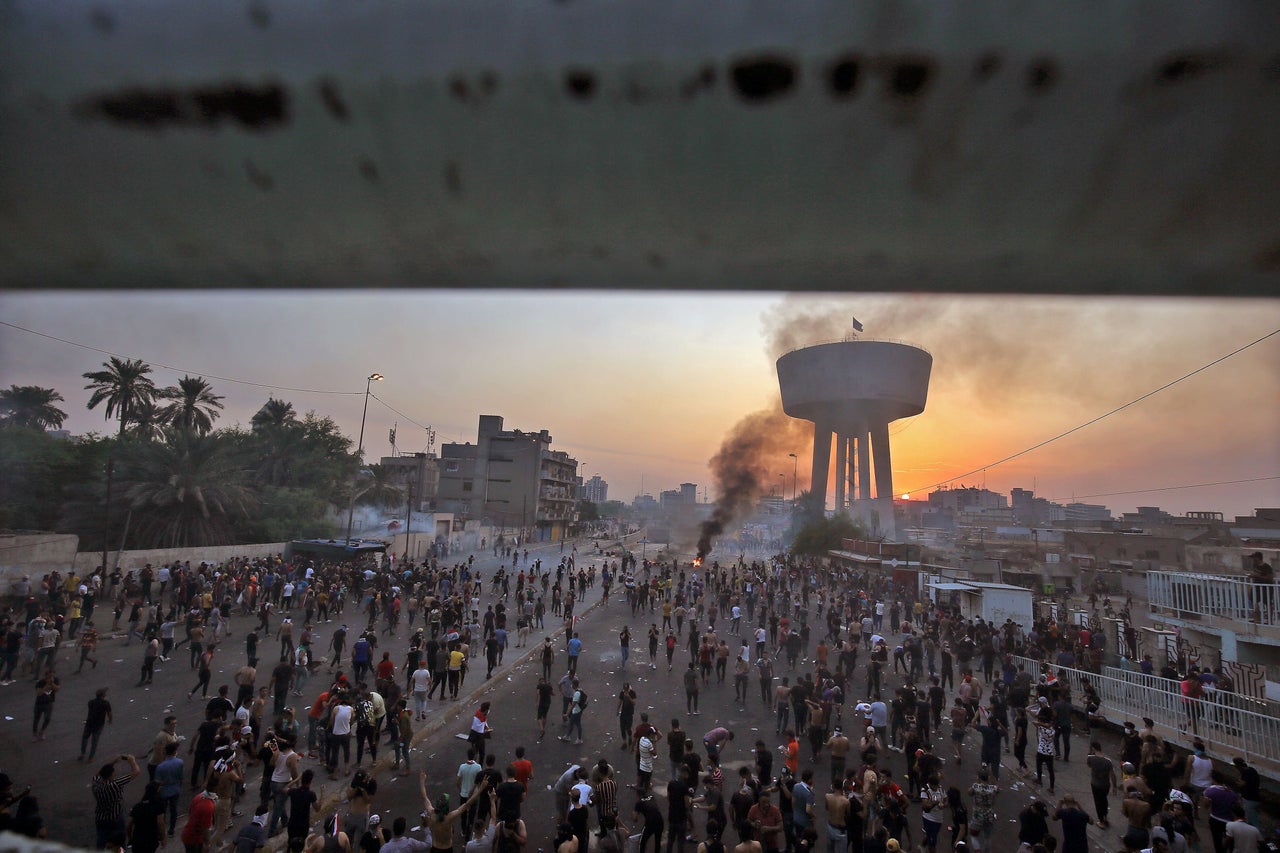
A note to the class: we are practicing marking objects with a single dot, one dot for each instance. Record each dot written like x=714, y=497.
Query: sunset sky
x=642, y=387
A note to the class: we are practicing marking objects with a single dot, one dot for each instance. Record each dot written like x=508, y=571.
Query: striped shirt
x=607, y=796
x=108, y=797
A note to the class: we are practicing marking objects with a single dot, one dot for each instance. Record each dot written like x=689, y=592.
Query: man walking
x=1102, y=778
x=94, y=722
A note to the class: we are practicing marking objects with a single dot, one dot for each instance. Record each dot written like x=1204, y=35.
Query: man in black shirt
x=647, y=811
x=202, y=745
x=220, y=705
x=301, y=801
x=764, y=763
x=492, y=779
x=96, y=720
x=678, y=806
x=510, y=794
x=1250, y=790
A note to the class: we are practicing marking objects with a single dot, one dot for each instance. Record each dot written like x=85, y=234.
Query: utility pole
x=408, y=525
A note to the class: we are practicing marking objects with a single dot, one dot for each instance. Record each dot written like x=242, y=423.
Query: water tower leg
x=864, y=467
x=821, y=461
x=884, y=479
x=842, y=461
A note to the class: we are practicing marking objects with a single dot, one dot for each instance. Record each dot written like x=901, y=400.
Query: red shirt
x=793, y=756
x=524, y=771
x=317, y=710
x=386, y=669
x=199, y=819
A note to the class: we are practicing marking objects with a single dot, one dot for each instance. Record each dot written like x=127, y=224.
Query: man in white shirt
x=340, y=737
x=421, y=684
x=1242, y=836
x=647, y=753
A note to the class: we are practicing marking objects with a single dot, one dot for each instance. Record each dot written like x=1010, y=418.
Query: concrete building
x=1030, y=510
x=595, y=490
x=511, y=478
x=852, y=390
x=1087, y=513
x=418, y=474
x=967, y=498
x=1103, y=549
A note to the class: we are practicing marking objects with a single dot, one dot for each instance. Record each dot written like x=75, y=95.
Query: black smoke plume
x=748, y=462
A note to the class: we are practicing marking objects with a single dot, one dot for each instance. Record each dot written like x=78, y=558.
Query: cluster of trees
x=167, y=477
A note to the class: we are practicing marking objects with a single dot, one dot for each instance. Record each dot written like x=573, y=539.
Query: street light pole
x=795, y=468
x=351, y=511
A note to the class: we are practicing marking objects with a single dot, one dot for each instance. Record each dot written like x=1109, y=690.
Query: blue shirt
x=575, y=647
x=801, y=801
x=169, y=776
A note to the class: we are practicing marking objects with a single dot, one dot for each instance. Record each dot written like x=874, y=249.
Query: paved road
x=661, y=694
x=61, y=783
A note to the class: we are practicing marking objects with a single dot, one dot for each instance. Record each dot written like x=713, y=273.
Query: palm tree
x=379, y=485
x=31, y=406
x=186, y=491
x=123, y=385
x=194, y=408
x=274, y=413
x=148, y=421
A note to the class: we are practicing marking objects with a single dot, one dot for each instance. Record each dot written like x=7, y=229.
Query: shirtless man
x=837, y=818
x=245, y=678
x=750, y=845
x=839, y=746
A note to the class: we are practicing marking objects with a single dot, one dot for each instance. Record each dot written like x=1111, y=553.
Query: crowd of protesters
x=869, y=675
x=866, y=682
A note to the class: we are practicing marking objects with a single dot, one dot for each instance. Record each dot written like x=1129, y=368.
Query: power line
x=182, y=369
x=401, y=414
x=983, y=468
x=1174, y=488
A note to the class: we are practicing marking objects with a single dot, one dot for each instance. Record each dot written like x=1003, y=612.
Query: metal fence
x=1201, y=596
x=1229, y=700
x=1227, y=731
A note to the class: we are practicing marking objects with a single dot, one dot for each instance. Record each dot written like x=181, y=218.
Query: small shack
x=990, y=602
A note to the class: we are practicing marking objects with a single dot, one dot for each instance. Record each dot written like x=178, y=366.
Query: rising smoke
x=748, y=462
x=975, y=334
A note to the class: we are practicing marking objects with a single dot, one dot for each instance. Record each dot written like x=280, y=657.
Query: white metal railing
x=1228, y=731
x=1202, y=596
x=1221, y=697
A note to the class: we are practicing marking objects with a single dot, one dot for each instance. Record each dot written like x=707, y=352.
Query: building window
x=466, y=485
x=1151, y=554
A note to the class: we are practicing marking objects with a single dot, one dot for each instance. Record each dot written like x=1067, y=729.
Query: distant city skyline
x=642, y=387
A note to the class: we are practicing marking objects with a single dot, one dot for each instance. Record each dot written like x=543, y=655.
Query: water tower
x=853, y=389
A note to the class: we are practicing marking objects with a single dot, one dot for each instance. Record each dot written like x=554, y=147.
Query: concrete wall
x=35, y=554
x=133, y=560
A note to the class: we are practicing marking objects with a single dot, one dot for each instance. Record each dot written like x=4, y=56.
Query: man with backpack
x=577, y=704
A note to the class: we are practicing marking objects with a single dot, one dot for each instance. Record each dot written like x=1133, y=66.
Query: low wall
x=35, y=554
x=133, y=560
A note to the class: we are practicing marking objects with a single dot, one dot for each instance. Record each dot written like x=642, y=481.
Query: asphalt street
x=661, y=695
x=62, y=783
